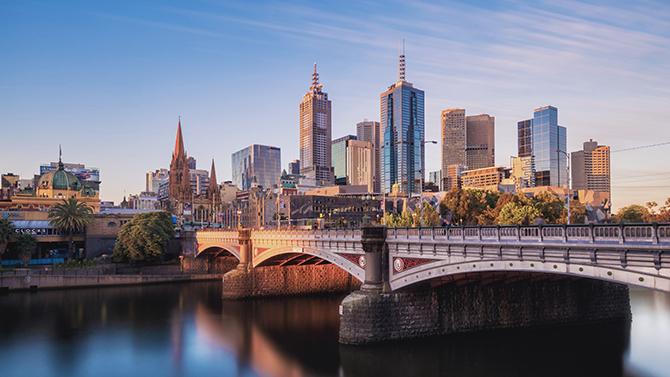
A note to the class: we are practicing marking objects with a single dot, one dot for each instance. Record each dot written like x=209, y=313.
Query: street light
x=421, y=185
x=567, y=191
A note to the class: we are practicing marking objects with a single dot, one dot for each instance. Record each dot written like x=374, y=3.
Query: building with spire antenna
x=403, y=133
x=315, y=135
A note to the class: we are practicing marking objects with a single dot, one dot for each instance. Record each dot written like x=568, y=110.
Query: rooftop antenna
x=316, y=87
x=401, y=63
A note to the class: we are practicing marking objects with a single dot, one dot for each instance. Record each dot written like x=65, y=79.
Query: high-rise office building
x=454, y=137
x=544, y=140
x=591, y=168
x=315, y=134
x=369, y=130
x=480, y=141
x=360, y=163
x=523, y=172
x=155, y=178
x=435, y=177
x=258, y=165
x=294, y=167
x=339, y=158
x=402, y=127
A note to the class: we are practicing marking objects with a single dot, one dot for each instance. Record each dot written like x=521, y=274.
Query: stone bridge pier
x=472, y=301
x=292, y=271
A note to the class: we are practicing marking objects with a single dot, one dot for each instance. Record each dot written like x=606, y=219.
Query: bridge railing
x=601, y=233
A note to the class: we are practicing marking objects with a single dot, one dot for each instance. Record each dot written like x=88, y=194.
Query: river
x=187, y=330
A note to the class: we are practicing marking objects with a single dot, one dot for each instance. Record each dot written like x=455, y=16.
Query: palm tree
x=6, y=231
x=71, y=216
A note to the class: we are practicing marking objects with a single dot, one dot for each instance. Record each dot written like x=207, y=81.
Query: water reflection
x=187, y=330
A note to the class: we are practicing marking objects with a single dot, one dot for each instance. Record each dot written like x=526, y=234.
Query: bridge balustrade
x=644, y=233
x=553, y=233
x=489, y=233
x=664, y=232
x=607, y=233
x=455, y=233
x=508, y=233
x=578, y=233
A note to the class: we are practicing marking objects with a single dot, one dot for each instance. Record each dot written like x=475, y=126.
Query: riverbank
x=28, y=281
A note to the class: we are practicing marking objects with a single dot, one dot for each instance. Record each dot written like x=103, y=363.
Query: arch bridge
x=394, y=258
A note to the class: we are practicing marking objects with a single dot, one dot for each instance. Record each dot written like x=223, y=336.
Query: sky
x=109, y=79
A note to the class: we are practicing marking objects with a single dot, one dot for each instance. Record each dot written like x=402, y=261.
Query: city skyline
x=124, y=129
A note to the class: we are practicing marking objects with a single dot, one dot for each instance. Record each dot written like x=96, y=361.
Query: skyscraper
x=480, y=141
x=155, y=178
x=402, y=127
x=591, y=168
x=545, y=141
x=368, y=130
x=360, y=163
x=294, y=167
x=454, y=139
x=315, y=134
x=256, y=165
x=339, y=158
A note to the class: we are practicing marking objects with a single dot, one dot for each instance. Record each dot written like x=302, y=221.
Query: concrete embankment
x=54, y=281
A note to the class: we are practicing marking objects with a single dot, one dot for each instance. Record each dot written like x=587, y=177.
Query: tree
x=426, y=216
x=6, y=231
x=25, y=246
x=664, y=213
x=634, y=213
x=394, y=220
x=516, y=213
x=144, y=238
x=551, y=207
x=71, y=217
x=577, y=212
x=463, y=207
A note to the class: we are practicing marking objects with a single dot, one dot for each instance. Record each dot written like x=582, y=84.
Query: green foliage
x=393, y=220
x=464, y=207
x=426, y=216
x=515, y=213
x=475, y=207
x=6, y=231
x=71, y=217
x=634, y=213
x=144, y=238
x=25, y=245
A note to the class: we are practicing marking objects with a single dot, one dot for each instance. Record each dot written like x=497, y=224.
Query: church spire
x=213, y=183
x=179, y=143
x=401, y=63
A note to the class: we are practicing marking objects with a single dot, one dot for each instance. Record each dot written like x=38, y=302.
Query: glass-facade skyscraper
x=256, y=164
x=546, y=142
x=339, y=158
x=402, y=129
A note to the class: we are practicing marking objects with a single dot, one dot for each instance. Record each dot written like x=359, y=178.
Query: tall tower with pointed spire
x=213, y=189
x=403, y=133
x=179, y=188
x=315, y=134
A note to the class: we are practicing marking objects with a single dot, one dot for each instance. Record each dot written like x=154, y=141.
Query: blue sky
x=108, y=79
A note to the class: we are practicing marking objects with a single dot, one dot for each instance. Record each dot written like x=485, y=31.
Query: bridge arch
x=217, y=250
x=287, y=252
x=646, y=277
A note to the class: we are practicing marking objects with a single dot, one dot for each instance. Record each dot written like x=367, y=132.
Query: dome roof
x=59, y=180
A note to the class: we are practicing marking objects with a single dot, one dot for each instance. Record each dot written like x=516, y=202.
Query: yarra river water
x=187, y=330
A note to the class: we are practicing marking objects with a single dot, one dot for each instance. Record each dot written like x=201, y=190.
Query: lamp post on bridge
x=421, y=178
x=568, y=193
